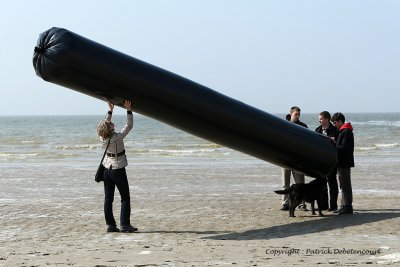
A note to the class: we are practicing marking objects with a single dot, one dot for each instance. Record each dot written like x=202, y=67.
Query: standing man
x=328, y=129
x=293, y=117
x=345, y=148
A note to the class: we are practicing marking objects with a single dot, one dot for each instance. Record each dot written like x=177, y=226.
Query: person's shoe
x=285, y=207
x=112, y=229
x=346, y=210
x=128, y=229
x=338, y=210
x=303, y=208
x=332, y=209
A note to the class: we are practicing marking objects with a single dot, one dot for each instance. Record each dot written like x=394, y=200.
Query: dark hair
x=338, y=116
x=294, y=108
x=325, y=114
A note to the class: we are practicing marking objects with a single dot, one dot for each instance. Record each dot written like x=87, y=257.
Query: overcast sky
x=319, y=55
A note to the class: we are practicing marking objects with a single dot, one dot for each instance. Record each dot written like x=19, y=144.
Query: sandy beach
x=218, y=222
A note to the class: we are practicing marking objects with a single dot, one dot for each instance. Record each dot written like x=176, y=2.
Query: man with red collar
x=345, y=148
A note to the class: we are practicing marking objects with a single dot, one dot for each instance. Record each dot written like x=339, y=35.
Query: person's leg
x=347, y=191
x=299, y=178
x=324, y=201
x=109, y=189
x=333, y=190
x=339, y=177
x=285, y=185
x=121, y=182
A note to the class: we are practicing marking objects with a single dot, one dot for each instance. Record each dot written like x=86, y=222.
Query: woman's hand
x=110, y=106
x=128, y=105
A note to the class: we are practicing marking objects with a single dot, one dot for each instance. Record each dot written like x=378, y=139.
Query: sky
x=319, y=55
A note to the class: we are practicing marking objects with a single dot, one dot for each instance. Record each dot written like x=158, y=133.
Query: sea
x=43, y=155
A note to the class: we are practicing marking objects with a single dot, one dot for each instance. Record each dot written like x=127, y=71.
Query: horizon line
x=118, y=114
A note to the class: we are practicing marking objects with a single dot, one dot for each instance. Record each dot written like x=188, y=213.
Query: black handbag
x=99, y=177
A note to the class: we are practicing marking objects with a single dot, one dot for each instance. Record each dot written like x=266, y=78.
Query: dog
x=310, y=192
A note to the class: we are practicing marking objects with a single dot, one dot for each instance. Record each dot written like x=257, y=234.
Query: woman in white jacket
x=115, y=173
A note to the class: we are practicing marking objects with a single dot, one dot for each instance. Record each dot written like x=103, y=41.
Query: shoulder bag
x=99, y=177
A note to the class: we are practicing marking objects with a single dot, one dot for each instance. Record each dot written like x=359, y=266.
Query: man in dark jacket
x=299, y=178
x=328, y=129
x=345, y=148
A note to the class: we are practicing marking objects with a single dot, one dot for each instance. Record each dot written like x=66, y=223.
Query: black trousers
x=116, y=178
x=333, y=189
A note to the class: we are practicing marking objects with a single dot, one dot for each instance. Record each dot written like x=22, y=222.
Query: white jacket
x=117, y=144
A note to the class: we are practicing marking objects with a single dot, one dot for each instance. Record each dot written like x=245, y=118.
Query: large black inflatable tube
x=65, y=58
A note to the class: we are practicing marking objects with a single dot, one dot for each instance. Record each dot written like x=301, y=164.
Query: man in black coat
x=345, y=148
x=328, y=129
x=294, y=117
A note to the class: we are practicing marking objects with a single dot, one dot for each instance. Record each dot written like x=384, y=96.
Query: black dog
x=310, y=192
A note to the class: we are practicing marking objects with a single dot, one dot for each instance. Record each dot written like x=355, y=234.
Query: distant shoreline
x=138, y=114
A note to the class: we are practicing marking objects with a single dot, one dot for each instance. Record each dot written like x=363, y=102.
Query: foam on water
x=378, y=123
x=47, y=150
x=388, y=145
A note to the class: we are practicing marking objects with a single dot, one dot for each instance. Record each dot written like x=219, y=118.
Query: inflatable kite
x=70, y=60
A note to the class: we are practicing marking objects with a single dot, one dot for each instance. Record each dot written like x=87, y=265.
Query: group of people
x=335, y=127
x=341, y=134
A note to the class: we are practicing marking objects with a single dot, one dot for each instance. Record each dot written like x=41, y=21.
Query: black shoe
x=112, y=229
x=129, y=229
x=285, y=207
x=346, y=210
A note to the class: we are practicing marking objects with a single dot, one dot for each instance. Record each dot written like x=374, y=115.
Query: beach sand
x=217, y=222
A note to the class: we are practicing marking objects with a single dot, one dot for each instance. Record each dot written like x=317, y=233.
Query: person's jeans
x=119, y=179
x=344, y=175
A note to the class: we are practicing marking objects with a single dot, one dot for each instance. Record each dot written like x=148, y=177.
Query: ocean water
x=45, y=148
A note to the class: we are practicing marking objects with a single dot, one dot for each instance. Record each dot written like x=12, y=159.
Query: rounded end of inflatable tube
x=46, y=47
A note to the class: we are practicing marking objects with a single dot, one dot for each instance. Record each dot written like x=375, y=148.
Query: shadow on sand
x=327, y=223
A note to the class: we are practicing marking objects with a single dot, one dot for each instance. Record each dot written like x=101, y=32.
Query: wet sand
x=202, y=222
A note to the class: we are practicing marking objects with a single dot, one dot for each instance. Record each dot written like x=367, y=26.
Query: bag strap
x=105, y=151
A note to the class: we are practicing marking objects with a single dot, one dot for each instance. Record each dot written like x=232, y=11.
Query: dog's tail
x=283, y=192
